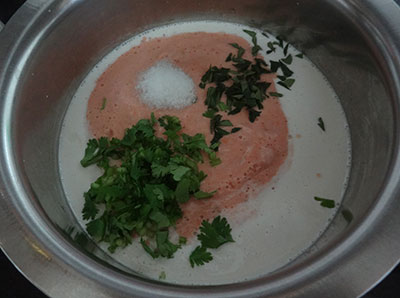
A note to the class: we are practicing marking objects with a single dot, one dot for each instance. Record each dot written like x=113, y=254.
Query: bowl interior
x=65, y=49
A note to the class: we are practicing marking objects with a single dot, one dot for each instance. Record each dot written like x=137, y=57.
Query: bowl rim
x=34, y=246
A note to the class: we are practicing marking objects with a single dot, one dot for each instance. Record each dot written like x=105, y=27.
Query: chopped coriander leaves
x=140, y=195
x=162, y=275
x=321, y=123
x=327, y=203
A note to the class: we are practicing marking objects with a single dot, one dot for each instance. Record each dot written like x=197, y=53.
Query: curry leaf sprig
x=212, y=235
x=145, y=180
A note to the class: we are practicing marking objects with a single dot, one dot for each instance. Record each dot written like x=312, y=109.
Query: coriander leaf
x=210, y=113
x=200, y=256
x=222, y=106
x=215, y=234
x=164, y=246
x=321, y=123
x=280, y=41
x=275, y=66
x=182, y=240
x=288, y=60
x=285, y=50
x=96, y=229
x=301, y=55
x=179, y=172
x=251, y=33
x=215, y=127
x=158, y=170
x=170, y=123
x=276, y=94
x=182, y=191
x=255, y=50
x=89, y=209
x=225, y=123
x=147, y=249
x=235, y=129
x=347, y=215
x=327, y=203
x=153, y=119
x=93, y=153
x=253, y=114
x=103, y=105
x=288, y=83
x=239, y=48
x=286, y=71
x=162, y=276
x=255, y=47
x=214, y=160
x=265, y=34
x=160, y=218
x=213, y=97
x=203, y=195
x=271, y=47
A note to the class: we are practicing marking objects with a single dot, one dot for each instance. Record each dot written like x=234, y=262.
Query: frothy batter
x=280, y=218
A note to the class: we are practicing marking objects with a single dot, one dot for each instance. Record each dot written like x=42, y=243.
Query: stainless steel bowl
x=48, y=47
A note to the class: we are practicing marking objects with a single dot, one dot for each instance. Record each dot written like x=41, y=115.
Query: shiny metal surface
x=48, y=47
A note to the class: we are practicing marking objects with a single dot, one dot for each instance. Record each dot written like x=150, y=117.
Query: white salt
x=166, y=86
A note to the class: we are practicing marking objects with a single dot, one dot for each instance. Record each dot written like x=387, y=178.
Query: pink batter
x=250, y=157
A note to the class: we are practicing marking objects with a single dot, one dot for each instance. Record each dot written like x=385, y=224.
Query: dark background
x=14, y=285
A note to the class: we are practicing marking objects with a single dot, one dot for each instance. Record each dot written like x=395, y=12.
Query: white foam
x=286, y=221
x=166, y=86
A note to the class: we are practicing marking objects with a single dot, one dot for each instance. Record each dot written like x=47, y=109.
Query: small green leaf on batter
x=182, y=240
x=326, y=202
x=235, y=129
x=104, y=103
x=321, y=123
x=203, y=195
x=276, y=94
x=288, y=60
x=288, y=83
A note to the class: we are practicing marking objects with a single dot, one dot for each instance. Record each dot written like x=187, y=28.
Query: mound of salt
x=166, y=86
